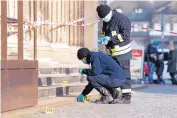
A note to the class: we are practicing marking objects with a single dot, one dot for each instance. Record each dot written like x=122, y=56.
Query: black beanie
x=103, y=10
x=82, y=52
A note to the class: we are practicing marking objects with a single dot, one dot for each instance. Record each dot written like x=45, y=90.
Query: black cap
x=103, y=10
x=82, y=52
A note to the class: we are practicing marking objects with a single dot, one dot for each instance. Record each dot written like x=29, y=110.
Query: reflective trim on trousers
x=126, y=90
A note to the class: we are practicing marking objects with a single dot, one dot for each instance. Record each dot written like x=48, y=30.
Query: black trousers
x=172, y=74
x=125, y=64
x=159, y=79
x=105, y=81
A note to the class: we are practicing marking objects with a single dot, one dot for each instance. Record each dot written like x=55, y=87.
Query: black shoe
x=106, y=97
x=174, y=82
x=124, y=100
x=116, y=94
x=100, y=100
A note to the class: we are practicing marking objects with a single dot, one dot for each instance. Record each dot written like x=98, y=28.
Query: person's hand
x=100, y=41
x=80, y=98
x=81, y=70
x=151, y=55
x=155, y=58
x=104, y=40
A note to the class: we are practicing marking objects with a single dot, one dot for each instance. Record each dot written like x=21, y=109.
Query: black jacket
x=159, y=67
x=154, y=51
x=172, y=61
x=122, y=26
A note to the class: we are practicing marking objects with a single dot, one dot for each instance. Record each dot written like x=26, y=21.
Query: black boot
x=174, y=82
x=126, y=99
x=126, y=94
x=159, y=80
x=105, y=96
x=116, y=94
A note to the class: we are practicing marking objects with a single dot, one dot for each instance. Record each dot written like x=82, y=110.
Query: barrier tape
x=72, y=23
x=76, y=23
x=36, y=24
x=149, y=29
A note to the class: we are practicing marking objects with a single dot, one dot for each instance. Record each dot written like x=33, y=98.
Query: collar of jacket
x=113, y=13
x=88, y=58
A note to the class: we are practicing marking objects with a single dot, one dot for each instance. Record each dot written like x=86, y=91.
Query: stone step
x=58, y=70
x=59, y=90
x=52, y=79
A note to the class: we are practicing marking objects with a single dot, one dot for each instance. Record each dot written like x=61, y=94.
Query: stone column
x=90, y=32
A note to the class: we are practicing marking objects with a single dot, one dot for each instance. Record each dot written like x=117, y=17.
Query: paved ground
x=155, y=102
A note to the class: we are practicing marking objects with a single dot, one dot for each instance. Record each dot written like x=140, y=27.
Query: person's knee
x=91, y=78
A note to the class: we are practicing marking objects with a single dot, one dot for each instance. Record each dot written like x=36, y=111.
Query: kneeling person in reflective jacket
x=105, y=76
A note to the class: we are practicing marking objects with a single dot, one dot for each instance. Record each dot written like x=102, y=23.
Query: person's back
x=152, y=53
x=108, y=65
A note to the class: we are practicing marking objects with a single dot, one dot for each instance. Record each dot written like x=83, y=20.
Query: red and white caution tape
x=70, y=23
x=36, y=24
x=78, y=23
x=143, y=28
x=149, y=29
x=88, y=24
x=33, y=25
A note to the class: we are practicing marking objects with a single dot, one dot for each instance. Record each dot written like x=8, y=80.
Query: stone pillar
x=90, y=32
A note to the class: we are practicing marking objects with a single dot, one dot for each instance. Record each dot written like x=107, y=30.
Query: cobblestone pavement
x=156, y=101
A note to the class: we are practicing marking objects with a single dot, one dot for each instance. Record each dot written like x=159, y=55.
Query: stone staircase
x=58, y=67
x=59, y=81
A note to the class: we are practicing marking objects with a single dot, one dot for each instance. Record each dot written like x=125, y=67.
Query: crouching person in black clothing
x=105, y=76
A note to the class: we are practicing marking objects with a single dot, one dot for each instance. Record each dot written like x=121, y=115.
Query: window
x=138, y=10
x=175, y=27
x=157, y=26
x=145, y=26
x=136, y=28
x=167, y=27
x=132, y=29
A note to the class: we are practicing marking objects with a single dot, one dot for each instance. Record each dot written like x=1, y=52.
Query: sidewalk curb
x=37, y=108
x=141, y=86
x=67, y=102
